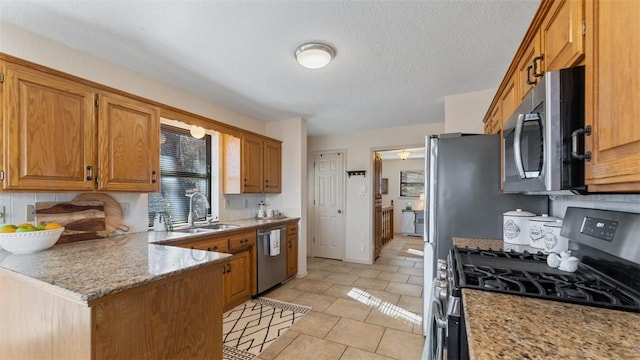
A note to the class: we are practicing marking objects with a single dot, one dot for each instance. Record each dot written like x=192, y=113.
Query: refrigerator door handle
x=431, y=195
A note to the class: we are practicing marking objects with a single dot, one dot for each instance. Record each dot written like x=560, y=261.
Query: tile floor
x=358, y=311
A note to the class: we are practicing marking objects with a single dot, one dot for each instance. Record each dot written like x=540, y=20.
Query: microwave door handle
x=517, y=151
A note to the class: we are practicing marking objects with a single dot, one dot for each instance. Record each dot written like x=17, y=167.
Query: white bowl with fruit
x=27, y=238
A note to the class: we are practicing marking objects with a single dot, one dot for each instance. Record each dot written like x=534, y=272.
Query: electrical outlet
x=31, y=212
x=126, y=209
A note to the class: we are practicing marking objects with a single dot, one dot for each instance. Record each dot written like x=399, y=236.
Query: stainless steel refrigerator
x=463, y=198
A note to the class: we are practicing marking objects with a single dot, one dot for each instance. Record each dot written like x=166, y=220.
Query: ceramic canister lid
x=555, y=224
x=519, y=212
x=544, y=218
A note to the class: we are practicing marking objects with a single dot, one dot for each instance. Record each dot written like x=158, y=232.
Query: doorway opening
x=398, y=194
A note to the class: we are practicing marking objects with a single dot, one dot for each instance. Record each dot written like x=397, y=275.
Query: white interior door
x=328, y=237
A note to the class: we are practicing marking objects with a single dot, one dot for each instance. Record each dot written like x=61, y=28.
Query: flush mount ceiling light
x=404, y=155
x=314, y=55
x=197, y=131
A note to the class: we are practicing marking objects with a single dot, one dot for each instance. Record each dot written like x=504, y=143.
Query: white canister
x=553, y=241
x=515, y=226
x=536, y=230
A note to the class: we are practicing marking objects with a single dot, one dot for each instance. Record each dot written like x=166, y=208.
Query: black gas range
x=527, y=274
x=608, y=274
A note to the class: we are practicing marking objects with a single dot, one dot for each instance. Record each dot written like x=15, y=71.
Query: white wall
x=464, y=112
x=293, y=133
x=359, y=147
x=391, y=170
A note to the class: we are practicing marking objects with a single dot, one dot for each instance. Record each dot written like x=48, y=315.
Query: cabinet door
x=509, y=100
x=272, y=166
x=612, y=96
x=129, y=153
x=525, y=80
x=49, y=132
x=237, y=279
x=252, y=164
x=292, y=250
x=561, y=35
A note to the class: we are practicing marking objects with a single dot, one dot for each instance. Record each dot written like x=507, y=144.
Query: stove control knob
x=443, y=294
x=442, y=266
x=442, y=275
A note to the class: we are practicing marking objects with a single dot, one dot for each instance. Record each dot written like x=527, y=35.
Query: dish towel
x=274, y=243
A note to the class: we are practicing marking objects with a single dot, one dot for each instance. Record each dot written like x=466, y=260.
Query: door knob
x=339, y=211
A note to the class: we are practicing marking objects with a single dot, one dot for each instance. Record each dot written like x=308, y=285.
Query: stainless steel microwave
x=544, y=138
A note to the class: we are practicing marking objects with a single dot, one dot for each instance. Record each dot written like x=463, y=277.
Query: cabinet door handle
x=228, y=268
x=535, y=65
x=529, y=82
x=89, y=172
x=574, y=144
x=154, y=177
x=224, y=270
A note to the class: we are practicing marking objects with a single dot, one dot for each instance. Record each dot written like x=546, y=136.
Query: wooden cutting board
x=83, y=220
x=112, y=210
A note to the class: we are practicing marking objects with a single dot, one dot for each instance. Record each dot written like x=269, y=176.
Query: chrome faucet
x=191, y=217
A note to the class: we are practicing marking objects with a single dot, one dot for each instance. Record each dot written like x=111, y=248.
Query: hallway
x=359, y=311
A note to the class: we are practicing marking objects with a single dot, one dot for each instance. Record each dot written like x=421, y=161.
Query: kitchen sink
x=194, y=231
x=207, y=228
x=219, y=226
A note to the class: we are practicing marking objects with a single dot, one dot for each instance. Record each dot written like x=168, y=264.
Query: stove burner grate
x=533, y=279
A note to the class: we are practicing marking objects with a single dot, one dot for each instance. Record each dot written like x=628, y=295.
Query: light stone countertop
x=502, y=326
x=84, y=271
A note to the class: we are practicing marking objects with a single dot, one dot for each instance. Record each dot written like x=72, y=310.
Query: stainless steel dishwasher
x=272, y=257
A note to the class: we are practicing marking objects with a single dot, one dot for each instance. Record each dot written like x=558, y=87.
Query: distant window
x=185, y=167
x=411, y=183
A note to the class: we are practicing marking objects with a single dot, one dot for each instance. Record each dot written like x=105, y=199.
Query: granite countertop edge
x=85, y=271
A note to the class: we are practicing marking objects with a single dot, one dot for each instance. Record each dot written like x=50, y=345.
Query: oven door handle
x=441, y=324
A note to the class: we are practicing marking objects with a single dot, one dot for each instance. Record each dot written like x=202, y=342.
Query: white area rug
x=249, y=328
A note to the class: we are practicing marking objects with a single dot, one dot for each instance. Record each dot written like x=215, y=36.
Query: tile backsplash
x=622, y=202
x=15, y=206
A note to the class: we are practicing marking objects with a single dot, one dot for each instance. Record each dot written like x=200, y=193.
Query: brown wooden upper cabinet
x=55, y=139
x=567, y=33
x=554, y=41
x=613, y=95
x=252, y=164
x=128, y=153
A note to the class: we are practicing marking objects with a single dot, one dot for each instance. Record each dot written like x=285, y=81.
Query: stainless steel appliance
x=463, y=199
x=608, y=275
x=543, y=147
x=272, y=269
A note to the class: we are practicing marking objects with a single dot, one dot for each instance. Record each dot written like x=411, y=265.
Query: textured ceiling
x=395, y=62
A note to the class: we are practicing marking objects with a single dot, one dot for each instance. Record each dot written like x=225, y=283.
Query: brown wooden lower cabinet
x=239, y=275
x=292, y=248
x=176, y=317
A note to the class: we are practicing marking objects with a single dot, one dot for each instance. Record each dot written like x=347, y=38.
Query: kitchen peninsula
x=119, y=297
